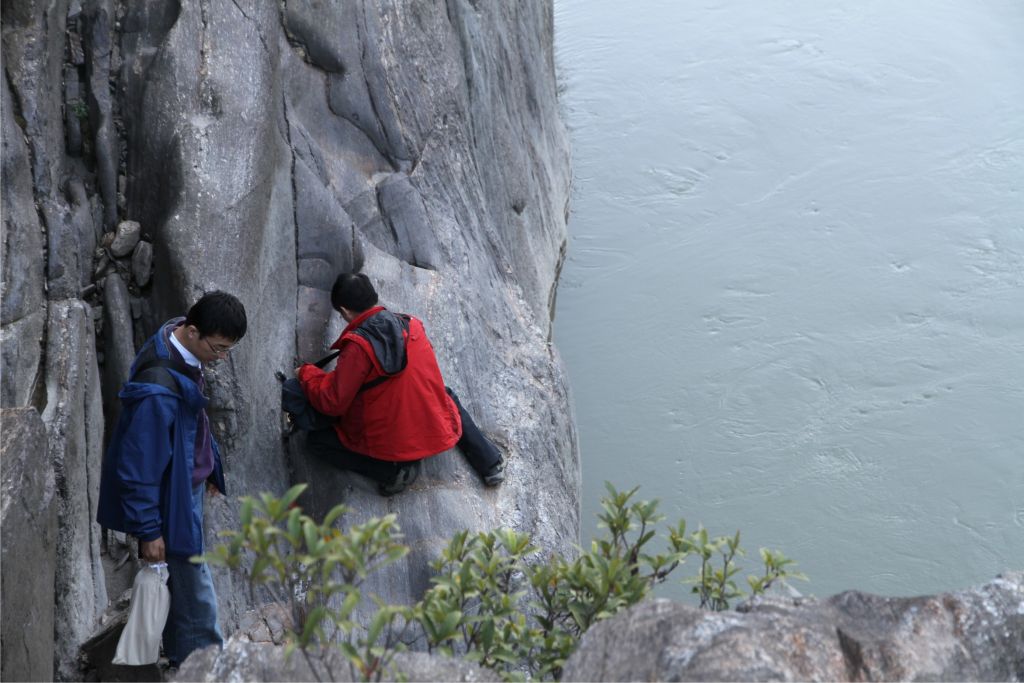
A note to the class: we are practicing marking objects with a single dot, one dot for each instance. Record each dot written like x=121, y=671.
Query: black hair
x=354, y=291
x=218, y=313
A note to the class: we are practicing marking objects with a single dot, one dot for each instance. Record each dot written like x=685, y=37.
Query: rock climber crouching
x=390, y=405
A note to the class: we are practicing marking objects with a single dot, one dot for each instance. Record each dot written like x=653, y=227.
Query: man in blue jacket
x=163, y=454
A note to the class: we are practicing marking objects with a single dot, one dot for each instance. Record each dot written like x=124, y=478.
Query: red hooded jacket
x=408, y=416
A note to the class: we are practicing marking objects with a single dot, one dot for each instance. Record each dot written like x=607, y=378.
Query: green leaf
x=292, y=494
x=450, y=624
x=294, y=527
x=312, y=536
x=349, y=604
x=487, y=634
x=335, y=512
x=376, y=626
x=576, y=610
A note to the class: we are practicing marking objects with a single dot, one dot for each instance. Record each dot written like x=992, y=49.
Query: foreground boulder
x=976, y=634
x=241, y=660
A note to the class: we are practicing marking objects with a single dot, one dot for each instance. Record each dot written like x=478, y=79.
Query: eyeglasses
x=219, y=350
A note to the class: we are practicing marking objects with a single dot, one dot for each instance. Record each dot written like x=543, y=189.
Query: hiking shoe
x=405, y=477
x=495, y=475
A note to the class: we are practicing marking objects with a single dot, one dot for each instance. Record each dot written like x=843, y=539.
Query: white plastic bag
x=151, y=601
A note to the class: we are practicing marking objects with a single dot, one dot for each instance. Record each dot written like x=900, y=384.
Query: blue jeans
x=192, y=620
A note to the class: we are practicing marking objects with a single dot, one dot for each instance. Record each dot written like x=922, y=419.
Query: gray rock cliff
x=261, y=148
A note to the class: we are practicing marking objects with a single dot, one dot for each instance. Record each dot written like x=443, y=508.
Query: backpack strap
x=326, y=359
x=155, y=371
x=334, y=354
x=375, y=382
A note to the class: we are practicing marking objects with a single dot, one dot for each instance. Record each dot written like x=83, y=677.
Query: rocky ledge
x=973, y=635
x=241, y=660
x=976, y=634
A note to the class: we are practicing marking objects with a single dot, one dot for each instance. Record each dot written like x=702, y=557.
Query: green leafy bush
x=495, y=598
x=317, y=571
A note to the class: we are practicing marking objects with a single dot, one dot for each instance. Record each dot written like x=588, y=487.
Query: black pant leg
x=325, y=444
x=479, y=451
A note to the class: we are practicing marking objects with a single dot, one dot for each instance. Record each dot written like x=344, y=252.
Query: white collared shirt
x=186, y=355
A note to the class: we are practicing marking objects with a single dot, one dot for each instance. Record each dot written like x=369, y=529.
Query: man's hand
x=153, y=551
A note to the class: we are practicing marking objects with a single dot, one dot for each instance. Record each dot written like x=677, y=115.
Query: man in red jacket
x=390, y=402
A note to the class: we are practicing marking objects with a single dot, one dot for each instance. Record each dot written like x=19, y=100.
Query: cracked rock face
x=27, y=537
x=74, y=421
x=261, y=148
x=966, y=636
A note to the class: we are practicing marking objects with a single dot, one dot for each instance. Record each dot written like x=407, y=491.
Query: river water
x=794, y=296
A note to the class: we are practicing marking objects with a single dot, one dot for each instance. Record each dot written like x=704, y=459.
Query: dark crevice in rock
x=30, y=147
x=303, y=49
x=361, y=37
x=384, y=215
x=357, y=252
x=134, y=19
x=143, y=45
x=52, y=223
x=312, y=155
x=467, y=67
x=16, y=109
x=301, y=46
x=242, y=199
x=389, y=153
x=39, y=389
x=384, y=154
x=553, y=294
x=98, y=47
x=256, y=27
x=853, y=657
x=94, y=435
x=295, y=209
x=40, y=172
x=400, y=209
x=208, y=97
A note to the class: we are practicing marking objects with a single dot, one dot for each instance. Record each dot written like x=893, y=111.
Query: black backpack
x=301, y=414
x=154, y=371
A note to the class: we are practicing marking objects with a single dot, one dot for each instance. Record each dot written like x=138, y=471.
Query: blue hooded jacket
x=146, y=484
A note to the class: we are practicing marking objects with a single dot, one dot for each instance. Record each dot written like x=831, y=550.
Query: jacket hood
x=386, y=333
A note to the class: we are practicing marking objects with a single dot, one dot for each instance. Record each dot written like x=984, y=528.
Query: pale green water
x=794, y=297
